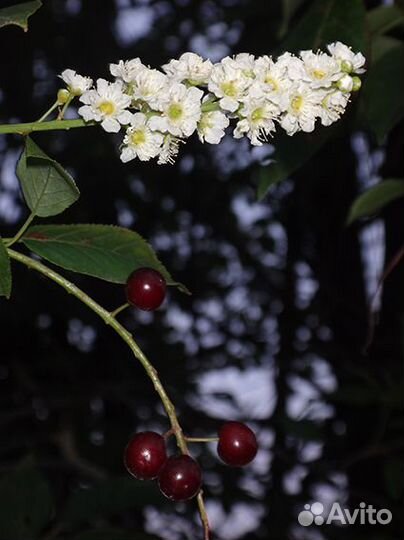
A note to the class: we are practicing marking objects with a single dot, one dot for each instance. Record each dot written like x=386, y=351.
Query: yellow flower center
x=229, y=89
x=257, y=115
x=107, y=107
x=270, y=80
x=138, y=137
x=175, y=111
x=297, y=103
x=318, y=74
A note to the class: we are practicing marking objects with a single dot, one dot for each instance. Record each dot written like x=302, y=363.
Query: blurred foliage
x=276, y=285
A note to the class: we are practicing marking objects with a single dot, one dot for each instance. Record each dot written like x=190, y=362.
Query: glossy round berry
x=181, y=478
x=237, y=444
x=146, y=289
x=145, y=455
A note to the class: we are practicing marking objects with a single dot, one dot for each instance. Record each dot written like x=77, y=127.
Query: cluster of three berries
x=180, y=477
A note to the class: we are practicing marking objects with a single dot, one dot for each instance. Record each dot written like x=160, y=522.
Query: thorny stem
x=110, y=320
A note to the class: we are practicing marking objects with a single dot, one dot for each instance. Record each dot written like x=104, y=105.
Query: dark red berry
x=237, y=444
x=181, y=478
x=146, y=289
x=145, y=455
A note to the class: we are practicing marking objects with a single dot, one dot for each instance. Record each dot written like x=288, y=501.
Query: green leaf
x=108, y=498
x=19, y=14
x=326, y=21
x=26, y=504
x=48, y=189
x=290, y=154
x=103, y=251
x=375, y=198
x=382, y=19
x=382, y=45
x=114, y=534
x=5, y=271
x=383, y=92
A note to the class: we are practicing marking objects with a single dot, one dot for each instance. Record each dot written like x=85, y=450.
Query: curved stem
x=24, y=129
x=51, y=109
x=21, y=231
x=126, y=336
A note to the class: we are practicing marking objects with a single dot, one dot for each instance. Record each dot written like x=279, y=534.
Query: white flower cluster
x=160, y=109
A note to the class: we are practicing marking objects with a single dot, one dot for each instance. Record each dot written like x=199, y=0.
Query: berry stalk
x=127, y=337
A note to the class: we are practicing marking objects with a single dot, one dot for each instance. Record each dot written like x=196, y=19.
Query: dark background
x=273, y=333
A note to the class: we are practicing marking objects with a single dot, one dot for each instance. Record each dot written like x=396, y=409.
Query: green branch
x=110, y=320
x=24, y=129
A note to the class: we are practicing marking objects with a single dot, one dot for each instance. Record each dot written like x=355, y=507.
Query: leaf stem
x=21, y=231
x=25, y=129
x=126, y=336
x=49, y=111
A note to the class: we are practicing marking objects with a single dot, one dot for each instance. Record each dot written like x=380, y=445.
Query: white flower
x=348, y=60
x=190, y=67
x=107, y=104
x=169, y=150
x=126, y=70
x=211, y=127
x=272, y=79
x=243, y=61
x=181, y=108
x=77, y=84
x=257, y=120
x=228, y=83
x=321, y=70
x=150, y=85
x=333, y=107
x=304, y=106
x=140, y=141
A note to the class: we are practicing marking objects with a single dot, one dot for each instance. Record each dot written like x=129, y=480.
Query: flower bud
x=346, y=66
x=345, y=83
x=357, y=83
x=63, y=95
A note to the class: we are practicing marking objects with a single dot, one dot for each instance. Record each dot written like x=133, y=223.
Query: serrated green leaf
x=383, y=92
x=290, y=154
x=114, y=534
x=19, y=14
x=374, y=199
x=48, y=189
x=384, y=18
x=326, y=21
x=108, y=498
x=102, y=251
x=26, y=503
x=5, y=271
